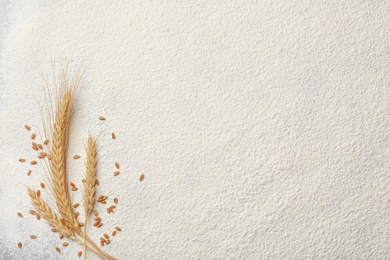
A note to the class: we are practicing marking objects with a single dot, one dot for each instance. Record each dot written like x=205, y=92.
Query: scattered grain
x=76, y=156
x=141, y=178
x=33, y=136
x=46, y=142
x=58, y=249
x=22, y=160
x=81, y=224
x=116, y=200
x=33, y=236
x=113, y=135
x=100, y=224
x=97, y=181
x=65, y=244
x=117, y=165
x=106, y=236
x=61, y=236
x=76, y=214
x=38, y=193
x=20, y=245
x=76, y=205
x=32, y=212
x=54, y=230
x=116, y=173
x=113, y=233
x=118, y=228
x=80, y=253
x=38, y=216
x=27, y=127
x=40, y=146
x=102, y=118
x=20, y=214
x=33, y=162
x=42, y=185
x=29, y=172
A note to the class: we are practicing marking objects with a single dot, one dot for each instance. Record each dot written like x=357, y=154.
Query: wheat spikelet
x=58, y=156
x=90, y=183
x=90, y=178
x=45, y=211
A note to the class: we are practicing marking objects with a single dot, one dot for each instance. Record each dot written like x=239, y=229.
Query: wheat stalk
x=67, y=223
x=90, y=183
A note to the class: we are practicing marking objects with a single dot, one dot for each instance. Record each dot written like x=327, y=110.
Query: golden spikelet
x=45, y=211
x=58, y=156
x=90, y=177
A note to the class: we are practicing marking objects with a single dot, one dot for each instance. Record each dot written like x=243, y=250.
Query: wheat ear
x=89, y=184
x=45, y=211
x=58, y=157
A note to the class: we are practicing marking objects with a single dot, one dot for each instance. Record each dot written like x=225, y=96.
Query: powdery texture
x=261, y=128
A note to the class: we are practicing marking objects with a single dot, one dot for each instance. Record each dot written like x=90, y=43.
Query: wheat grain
x=20, y=214
x=117, y=165
x=76, y=156
x=33, y=136
x=27, y=127
x=20, y=244
x=116, y=173
x=113, y=135
x=33, y=236
x=102, y=118
x=141, y=177
x=22, y=160
x=58, y=249
x=80, y=253
x=29, y=172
